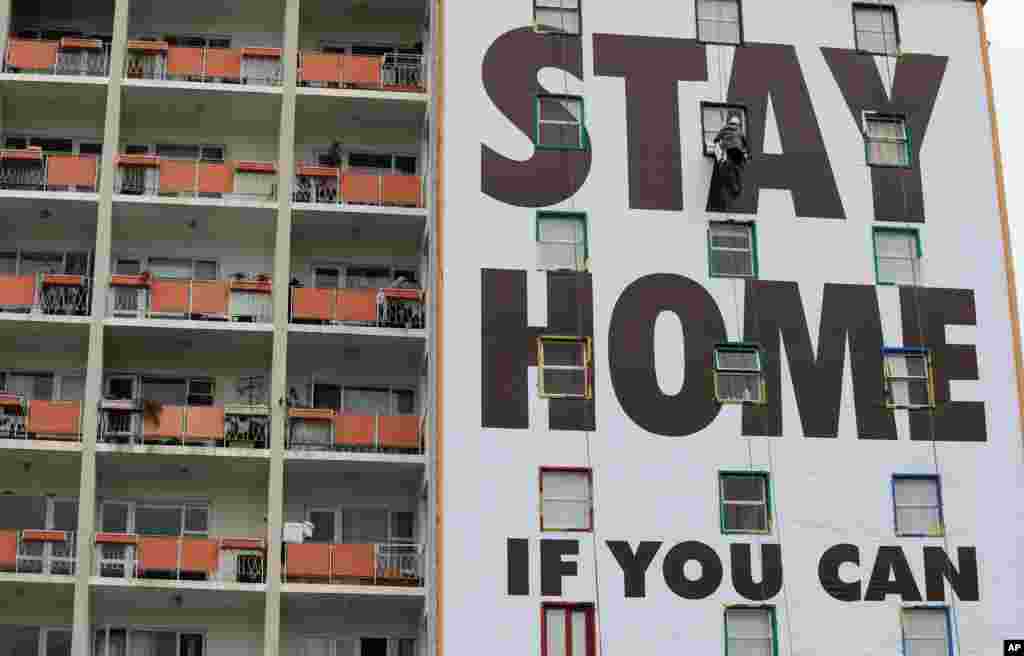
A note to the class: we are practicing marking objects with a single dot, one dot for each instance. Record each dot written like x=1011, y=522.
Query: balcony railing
x=29, y=169
x=392, y=72
x=39, y=419
x=37, y=551
x=324, y=429
x=234, y=425
x=150, y=175
x=325, y=185
x=46, y=293
x=68, y=56
x=386, y=307
x=158, y=60
x=127, y=555
x=363, y=564
x=142, y=296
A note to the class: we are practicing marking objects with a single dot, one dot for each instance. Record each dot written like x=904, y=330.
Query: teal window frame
x=536, y=122
x=949, y=626
x=908, y=146
x=764, y=476
x=581, y=217
x=739, y=347
x=772, y=619
x=753, y=249
x=876, y=230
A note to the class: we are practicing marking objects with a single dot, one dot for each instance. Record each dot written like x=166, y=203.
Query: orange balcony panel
x=205, y=423
x=262, y=52
x=76, y=43
x=199, y=555
x=34, y=153
x=120, y=280
x=169, y=296
x=210, y=297
x=246, y=544
x=17, y=291
x=354, y=430
x=357, y=305
x=324, y=414
x=320, y=67
x=253, y=286
x=31, y=54
x=360, y=188
x=403, y=190
x=8, y=550
x=138, y=160
x=56, y=418
x=184, y=61
x=63, y=279
x=168, y=424
x=353, y=561
x=11, y=400
x=116, y=538
x=361, y=70
x=224, y=63
x=256, y=167
x=177, y=176
x=216, y=178
x=158, y=554
x=400, y=432
x=70, y=171
x=318, y=171
x=39, y=535
x=308, y=561
x=143, y=45
x=313, y=303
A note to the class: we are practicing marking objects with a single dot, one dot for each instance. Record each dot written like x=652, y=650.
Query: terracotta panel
x=256, y=167
x=314, y=171
x=224, y=63
x=357, y=305
x=199, y=555
x=361, y=70
x=138, y=160
x=142, y=45
x=57, y=418
x=354, y=430
x=247, y=544
x=261, y=52
x=169, y=296
x=402, y=293
x=205, y=423
x=184, y=61
x=39, y=535
x=116, y=538
x=216, y=178
x=400, y=432
x=129, y=281
x=169, y=423
x=360, y=188
x=64, y=279
x=31, y=54
x=403, y=190
x=158, y=554
x=313, y=303
x=320, y=67
x=76, y=43
x=11, y=400
x=253, y=286
x=353, y=560
x=325, y=414
x=17, y=291
x=308, y=561
x=8, y=550
x=210, y=297
x=177, y=176
x=70, y=171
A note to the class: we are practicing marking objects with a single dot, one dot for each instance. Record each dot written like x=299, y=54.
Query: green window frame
x=766, y=500
x=580, y=244
x=738, y=611
x=539, y=121
x=730, y=367
x=903, y=141
x=881, y=278
x=734, y=226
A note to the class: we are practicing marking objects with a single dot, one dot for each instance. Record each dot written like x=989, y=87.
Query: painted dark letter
x=938, y=567
x=828, y=572
x=743, y=576
x=553, y=568
x=710, y=570
x=892, y=559
x=518, y=566
x=634, y=566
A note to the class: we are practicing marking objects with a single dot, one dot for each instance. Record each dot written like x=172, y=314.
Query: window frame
x=740, y=347
x=752, y=226
x=588, y=366
x=895, y=507
x=765, y=477
x=587, y=608
x=772, y=622
x=581, y=217
x=875, y=230
x=739, y=18
x=583, y=143
x=867, y=116
x=946, y=617
x=704, y=105
x=579, y=21
x=875, y=6
x=589, y=500
x=929, y=376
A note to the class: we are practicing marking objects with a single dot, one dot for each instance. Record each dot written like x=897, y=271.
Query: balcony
x=144, y=296
x=30, y=169
x=39, y=419
x=224, y=560
x=154, y=176
x=324, y=185
x=358, y=564
x=388, y=72
x=158, y=60
x=51, y=294
x=382, y=307
x=37, y=551
x=325, y=429
x=230, y=425
x=65, y=56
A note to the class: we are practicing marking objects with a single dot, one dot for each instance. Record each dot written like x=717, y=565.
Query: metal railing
x=334, y=186
x=200, y=300
x=390, y=72
x=29, y=169
x=157, y=60
x=38, y=551
x=356, y=433
x=123, y=422
x=403, y=71
x=185, y=178
x=399, y=564
x=224, y=560
x=382, y=307
x=68, y=56
x=400, y=561
x=46, y=293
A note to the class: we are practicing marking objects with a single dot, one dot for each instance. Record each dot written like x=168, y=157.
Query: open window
x=557, y=16
x=713, y=118
x=720, y=21
x=739, y=377
x=566, y=502
x=732, y=250
x=567, y=630
x=886, y=140
x=908, y=378
x=562, y=241
x=917, y=506
x=750, y=631
x=926, y=631
x=897, y=256
x=560, y=122
x=876, y=30
x=564, y=365
x=745, y=502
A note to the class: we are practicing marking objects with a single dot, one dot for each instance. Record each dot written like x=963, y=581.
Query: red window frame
x=590, y=649
x=590, y=484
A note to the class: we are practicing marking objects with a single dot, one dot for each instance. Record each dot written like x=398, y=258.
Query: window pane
x=927, y=648
x=555, y=625
x=747, y=623
x=745, y=518
x=206, y=270
x=406, y=647
x=72, y=388
x=924, y=623
x=557, y=134
x=197, y=519
x=560, y=109
x=65, y=516
x=917, y=521
x=916, y=366
x=402, y=526
x=175, y=151
x=191, y=644
x=167, y=392
x=739, y=387
x=326, y=396
x=719, y=31
x=318, y=647
x=568, y=230
x=580, y=639
x=405, y=402
x=732, y=263
x=746, y=360
x=727, y=236
x=323, y=525
x=115, y=518
x=743, y=488
x=887, y=153
x=897, y=270
x=916, y=492
x=128, y=267
x=572, y=382
x=162, y=267
x=895, y=244
x=566, y=515
x=19, y=512
x=19, y=640
x=364, y=526
x=58, y=643
x=367, y=401
x=157, y=521
x=558, y=20
x=719, y=9
x=566, y=484
x=750, y=648
x=918, y=393
x=8, y=263
x=373, y=647
x=326, y=278
x=562, y=352
x=557, y=256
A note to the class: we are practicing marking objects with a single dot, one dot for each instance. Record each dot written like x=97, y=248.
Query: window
x=917, y=506
x=204, y=153
x=557, y=16
x=364, y=525
x=200, y=391
x=326, y=396
x=746, y=503
x=732, y=250
x=875, y=29
x=183, y=269
x=567, y=630
x=172, y=520
x=562, y=241
x=738, y=374
x=367, y=278
x=897, y=256
x=887, y=140
x=713, y=118
x=908, y=378
x=564, y=364
x=719, y=21
x=560, y=122
x=926, y=632
x=566, y=502
x=749, y=631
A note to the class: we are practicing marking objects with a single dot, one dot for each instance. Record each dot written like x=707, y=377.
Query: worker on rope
x=731, y=154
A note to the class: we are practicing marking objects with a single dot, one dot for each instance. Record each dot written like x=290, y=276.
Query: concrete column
x=279, y=375
x=5, y=25
x=82, y=640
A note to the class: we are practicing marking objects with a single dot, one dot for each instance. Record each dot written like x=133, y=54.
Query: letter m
x=509, y=346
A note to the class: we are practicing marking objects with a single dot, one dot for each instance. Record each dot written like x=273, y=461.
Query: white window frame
x=587, y=501
x=890, y=377
x=751, y=231
x=879, y=9
x=771, y=638
x=759, y=371
x=558, y=6
x=915, y=260
x=908, y=640
x=585, y=343
x=897, y=507
x=581, y=246
x=703, y=18
x=877, y=117
x=764, y=503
